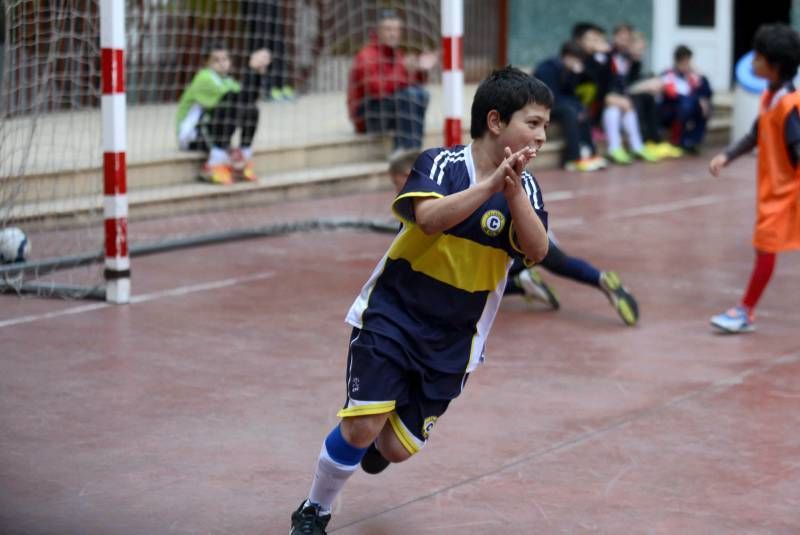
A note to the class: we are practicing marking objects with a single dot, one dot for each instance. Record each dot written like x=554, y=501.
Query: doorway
x=749, y=15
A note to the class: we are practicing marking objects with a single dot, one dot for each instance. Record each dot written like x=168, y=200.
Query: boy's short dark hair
x=681, y=53
x=581, y=28
x=623, y=27
x=401, y=163
x=780, y=46
x=571, y=48
x=506, y=90
x=212, y=45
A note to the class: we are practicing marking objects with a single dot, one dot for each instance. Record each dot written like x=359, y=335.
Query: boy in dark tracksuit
x=686, y=102
x=562, y=74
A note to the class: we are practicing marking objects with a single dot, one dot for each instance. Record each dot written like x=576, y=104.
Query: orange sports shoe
x=248, y=173
x=216, y=174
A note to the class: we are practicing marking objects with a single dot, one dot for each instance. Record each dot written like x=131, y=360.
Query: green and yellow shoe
x=619, y=297
x=620, y=156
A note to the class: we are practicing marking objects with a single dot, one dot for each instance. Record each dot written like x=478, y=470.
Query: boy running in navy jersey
x=527, y=281
x=421, y=321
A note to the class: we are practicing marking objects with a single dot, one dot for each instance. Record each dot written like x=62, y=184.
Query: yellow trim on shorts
x=366, y=410
x=408, y=441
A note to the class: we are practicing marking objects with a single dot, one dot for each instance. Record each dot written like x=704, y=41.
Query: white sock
x=329, y=479
x=630, y=122
x=611, y=118
x=247, y=153
x=217, y=156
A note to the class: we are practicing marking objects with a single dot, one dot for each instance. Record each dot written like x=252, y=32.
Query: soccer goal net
x=304, y=145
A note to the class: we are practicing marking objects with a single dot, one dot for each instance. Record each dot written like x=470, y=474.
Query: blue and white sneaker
x=734, y=320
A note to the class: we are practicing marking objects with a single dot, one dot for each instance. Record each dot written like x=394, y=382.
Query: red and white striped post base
x=115, y=205
x=452, y=69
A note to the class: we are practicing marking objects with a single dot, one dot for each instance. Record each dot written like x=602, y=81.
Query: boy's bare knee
x=361, y=431
x=390, y=446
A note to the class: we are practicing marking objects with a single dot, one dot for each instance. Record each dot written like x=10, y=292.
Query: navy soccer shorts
x=383, y=376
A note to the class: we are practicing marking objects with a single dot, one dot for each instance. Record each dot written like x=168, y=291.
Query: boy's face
x=638, y=45
x=684, y=65
x=593, y=41
x=219, y=61
x=622, y=40
x=399, y=179
x=573, y=63
x=527, y=128
x=763, y=69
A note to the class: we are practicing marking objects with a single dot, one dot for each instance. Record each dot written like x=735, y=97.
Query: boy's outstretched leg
x=534, y=287
x=579, y=270
x=619, y=297
x=529, y=283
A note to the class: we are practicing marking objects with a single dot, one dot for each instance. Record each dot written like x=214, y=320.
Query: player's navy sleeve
x=535, y=197
x=791, y=134
x=747, y=143
x=425, y=180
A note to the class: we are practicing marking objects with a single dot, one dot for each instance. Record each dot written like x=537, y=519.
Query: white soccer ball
x=14, y=245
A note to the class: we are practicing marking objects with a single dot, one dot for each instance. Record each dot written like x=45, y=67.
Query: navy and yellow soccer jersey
x=438, y=295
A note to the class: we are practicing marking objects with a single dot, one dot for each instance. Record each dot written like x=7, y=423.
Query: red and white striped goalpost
x=452, y=69
x=115, y=205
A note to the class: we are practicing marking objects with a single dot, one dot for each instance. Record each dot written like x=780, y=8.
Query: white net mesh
x=304, y=144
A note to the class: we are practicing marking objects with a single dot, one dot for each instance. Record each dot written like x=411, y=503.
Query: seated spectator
x=596, y=74
x=686, y=101
x=268, y=26
x=561, y=74
x=213, y=106
x=385, y=87
x=618, y=113
x=628, y=50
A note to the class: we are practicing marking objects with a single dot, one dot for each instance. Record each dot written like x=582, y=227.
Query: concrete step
x=319, y=168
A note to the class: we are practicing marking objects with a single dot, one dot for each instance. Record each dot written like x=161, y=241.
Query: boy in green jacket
x=213, y=106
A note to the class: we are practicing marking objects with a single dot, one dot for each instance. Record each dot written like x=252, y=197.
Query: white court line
x=48, y=315
x=560, y=195
x=674, y=206
x=173, y=292
x=652, y=209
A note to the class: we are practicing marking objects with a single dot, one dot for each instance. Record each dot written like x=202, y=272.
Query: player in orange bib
x=776, y=133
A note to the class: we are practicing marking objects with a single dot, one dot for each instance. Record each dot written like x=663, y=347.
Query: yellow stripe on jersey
x=403, y=206
x=408, y=440
x=459, y=262
x=367, y=409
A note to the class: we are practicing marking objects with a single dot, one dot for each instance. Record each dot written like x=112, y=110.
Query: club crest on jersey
x=493, y=222
x=427, y=426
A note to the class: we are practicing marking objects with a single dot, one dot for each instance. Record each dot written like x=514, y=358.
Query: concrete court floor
x=201, y=406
